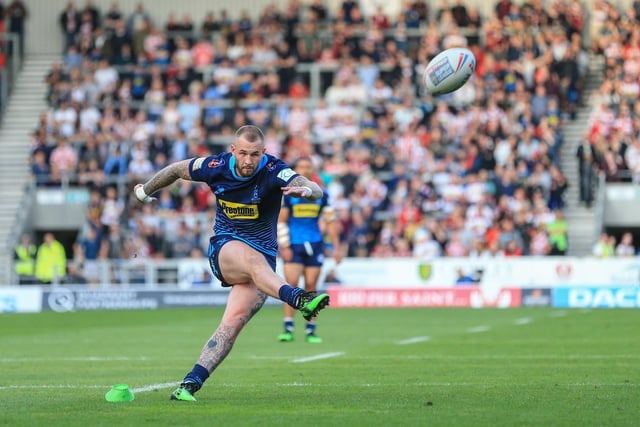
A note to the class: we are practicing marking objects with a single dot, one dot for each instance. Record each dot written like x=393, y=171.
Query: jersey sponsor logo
x=285, y=174
x=305, y=210
x=215, y=163
x=197, y=163
x=238, y=210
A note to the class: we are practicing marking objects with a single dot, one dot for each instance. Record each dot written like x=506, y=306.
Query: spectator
x=626, y=248
x=87, y=251
x=558, y=234
x=51, y=260
x=25, y=258
x=70, y=24
x=587, y=167
x=603, y=248
x=64, y=160
x=18, y=14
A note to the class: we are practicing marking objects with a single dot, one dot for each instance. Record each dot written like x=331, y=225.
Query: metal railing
x=19, y=225
x=601, y=194
x=12, y=66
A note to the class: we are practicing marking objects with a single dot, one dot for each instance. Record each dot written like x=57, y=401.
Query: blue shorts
x=215, y=244
x=309, y=254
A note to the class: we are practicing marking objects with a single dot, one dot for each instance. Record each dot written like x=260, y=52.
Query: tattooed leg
x=243, y=303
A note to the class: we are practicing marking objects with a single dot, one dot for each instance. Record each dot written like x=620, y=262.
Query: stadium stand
x=476, y=172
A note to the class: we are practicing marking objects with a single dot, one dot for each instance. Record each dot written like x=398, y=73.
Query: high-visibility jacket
x=51, y=261
x=25, y=260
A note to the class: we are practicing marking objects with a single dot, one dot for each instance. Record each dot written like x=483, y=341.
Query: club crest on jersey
x=215, y=163
x=238, y=210
x=255, y=197
x=270, y=166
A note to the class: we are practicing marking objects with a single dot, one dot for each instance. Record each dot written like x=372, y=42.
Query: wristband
x=284, y=239
x=140, y=194
x=309, y=189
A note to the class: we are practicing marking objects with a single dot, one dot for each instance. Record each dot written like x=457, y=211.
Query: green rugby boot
x=285, y=337
x=312, y=338
x=311, y=304
x=185, y=392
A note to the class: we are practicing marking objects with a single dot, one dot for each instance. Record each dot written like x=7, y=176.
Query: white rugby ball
x=449, y=70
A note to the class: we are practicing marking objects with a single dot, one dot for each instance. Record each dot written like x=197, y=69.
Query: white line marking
x=153, y=387
x=317, y=357
x=523, y=321
x=413, y=340
x=71, y=359
x=557, y=314
x=59, y=386
x=479, y=357
x=476, y=329
x=295, y=384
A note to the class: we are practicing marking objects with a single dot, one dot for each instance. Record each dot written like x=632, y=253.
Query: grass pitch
x=377, y=367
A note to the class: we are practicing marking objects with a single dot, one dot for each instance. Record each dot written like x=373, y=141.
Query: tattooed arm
x=163, y=178
x=303, y=187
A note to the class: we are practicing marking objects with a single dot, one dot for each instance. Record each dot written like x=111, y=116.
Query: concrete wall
x=622, y=204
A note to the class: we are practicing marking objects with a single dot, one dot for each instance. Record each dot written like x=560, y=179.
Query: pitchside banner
x=457, y=297
x=63, y=299
x=596, y=297
x=492, y=273
x=14, y=299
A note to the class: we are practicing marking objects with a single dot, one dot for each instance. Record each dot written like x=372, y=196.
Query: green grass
x=518, y=367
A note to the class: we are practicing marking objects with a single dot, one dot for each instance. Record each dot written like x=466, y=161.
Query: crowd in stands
x=475, y=172
x=611, y=142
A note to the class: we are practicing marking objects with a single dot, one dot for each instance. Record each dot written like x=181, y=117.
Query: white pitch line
x=317, y=357
x=523, y=321
x=557, y=314
x=48, y=386
x=143, y=389
x=153, y=387
x=71, y=359
x=316, y=385
x=476, y=329
x=413, y=340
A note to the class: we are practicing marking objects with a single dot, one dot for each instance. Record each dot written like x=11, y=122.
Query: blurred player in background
x=248, y=185
x=302, y=246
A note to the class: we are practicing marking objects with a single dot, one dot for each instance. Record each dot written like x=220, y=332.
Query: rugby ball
x=449, y=70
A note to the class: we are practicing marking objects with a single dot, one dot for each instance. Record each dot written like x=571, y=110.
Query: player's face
x=305, y=168
x=248, y=156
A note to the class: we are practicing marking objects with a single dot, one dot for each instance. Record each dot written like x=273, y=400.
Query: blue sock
x=198, y=375
x=288, y=324
x=290, y=295
x=311, y=328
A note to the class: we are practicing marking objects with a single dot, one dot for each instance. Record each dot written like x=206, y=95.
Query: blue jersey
x=247, y=208
x=303, y=218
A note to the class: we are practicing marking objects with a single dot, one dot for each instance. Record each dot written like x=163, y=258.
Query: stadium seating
x=473, y=173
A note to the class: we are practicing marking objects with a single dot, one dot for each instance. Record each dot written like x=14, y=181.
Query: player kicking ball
x=301, y=244
x=248, y=184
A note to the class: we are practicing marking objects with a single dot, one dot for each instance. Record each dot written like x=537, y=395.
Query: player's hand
x=286, y=254
x=337, y=256
x=297, y=191
x=142, y=197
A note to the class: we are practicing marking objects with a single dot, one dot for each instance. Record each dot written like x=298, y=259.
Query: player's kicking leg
x=244, y=301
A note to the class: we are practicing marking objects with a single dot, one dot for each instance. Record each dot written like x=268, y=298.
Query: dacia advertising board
x=597, y=297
